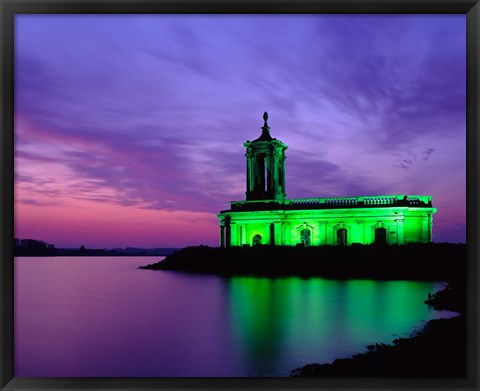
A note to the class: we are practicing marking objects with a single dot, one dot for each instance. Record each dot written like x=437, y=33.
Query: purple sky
x=129, y=129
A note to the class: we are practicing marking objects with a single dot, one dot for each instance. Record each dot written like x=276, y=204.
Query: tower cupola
x=265, y=166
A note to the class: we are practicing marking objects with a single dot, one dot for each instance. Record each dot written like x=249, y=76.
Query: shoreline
x=427, y=262
x=437, y=349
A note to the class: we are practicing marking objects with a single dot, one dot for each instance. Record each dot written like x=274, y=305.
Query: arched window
x=257, y=239
x=305, y=236
x=341, y=237
x=380, y=236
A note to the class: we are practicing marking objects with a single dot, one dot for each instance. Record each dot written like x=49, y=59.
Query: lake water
x=104, y=317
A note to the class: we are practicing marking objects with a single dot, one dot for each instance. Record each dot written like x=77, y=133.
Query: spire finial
x=265, y=136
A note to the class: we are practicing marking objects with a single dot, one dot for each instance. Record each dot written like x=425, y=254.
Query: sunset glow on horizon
x=129, y=129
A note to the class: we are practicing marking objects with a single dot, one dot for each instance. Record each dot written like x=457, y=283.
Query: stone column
x=249, y=172
x=270, y=175
x=233, y=235
x=425, y=229
x=277, y=228
x=275, y=178
x=240, y=229
x=361, y=231
x=222, y=236
x=266, y=172
x=266, y=239
x=287, y=239
x=430, y=227
x=322, y=233
x=228, y=240
x=400, y=231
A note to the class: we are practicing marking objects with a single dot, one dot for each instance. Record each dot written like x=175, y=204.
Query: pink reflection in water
x=104, y=317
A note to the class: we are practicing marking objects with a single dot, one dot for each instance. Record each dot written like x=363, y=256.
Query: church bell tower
x=265, y=166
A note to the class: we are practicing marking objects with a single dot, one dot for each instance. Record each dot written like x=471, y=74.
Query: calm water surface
x=101, y=316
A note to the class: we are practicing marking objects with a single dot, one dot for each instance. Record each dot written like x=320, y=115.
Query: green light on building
x=268, y=217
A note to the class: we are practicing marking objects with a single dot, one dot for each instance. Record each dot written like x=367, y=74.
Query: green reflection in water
x=287, y=322
x=259, y=314
x=399, y=303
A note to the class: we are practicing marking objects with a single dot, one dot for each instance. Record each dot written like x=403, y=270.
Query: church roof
x=265, y=136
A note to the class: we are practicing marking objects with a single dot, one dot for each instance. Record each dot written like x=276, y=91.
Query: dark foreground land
x=438, y=350
x=435, y=261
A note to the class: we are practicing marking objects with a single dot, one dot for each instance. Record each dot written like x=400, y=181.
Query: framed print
x=255, y=195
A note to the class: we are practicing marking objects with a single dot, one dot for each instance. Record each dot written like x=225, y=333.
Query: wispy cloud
x=151, y=111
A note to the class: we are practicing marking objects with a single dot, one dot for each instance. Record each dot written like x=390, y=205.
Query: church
x=267, y=216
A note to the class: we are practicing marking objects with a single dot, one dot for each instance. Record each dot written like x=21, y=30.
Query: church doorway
x=305, y=237
x=257, y=239
x=341, y=237
x=380, y=236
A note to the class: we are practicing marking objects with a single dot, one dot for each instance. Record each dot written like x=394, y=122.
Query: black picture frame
x=9, y=8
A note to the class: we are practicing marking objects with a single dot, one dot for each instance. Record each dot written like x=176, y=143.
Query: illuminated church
x=268, y=217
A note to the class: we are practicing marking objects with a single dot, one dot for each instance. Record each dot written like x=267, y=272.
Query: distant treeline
x=433, y=261
x=39, y=248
